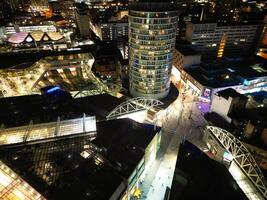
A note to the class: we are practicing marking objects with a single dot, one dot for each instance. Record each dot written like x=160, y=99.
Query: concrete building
x=222, y=39
x=152, y=33
x=226, y=101
x=204, y=80
x=83, y=19
x=114, y=30
x=185, y=57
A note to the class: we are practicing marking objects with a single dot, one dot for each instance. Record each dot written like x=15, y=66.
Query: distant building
x=109, y=10
x=123, y=46
x=227, y=101
x=107, y=63
x=152, y=33
x=225, y=10
x=16, y=28
x=224, y=39
x=83, y=19
x=54, y=6
x=36, y=37
x=114, y=30
x=40, y=3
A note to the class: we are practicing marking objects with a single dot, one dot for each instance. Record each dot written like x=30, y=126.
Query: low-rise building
x=222, y=39
x=206, y=79
x=227, y=101
x=109, y=165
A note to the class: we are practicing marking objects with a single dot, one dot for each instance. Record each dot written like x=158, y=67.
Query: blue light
x=53, y=89
x=246, y=82
x=228, y=156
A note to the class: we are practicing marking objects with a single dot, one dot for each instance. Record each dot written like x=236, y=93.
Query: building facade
x=114, y=31
x=16, y=28
x=152, y=33
x=207, y=37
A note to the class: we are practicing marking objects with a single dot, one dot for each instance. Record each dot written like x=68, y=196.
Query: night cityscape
x=133, y=99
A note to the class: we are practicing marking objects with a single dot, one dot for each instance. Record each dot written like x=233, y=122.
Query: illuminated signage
x=227, y=156
x=53, y=89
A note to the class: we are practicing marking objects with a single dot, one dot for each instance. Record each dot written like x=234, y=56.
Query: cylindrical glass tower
x=152, y=34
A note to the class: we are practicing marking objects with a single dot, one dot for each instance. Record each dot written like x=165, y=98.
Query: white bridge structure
x=133, y=105
x=242, y=157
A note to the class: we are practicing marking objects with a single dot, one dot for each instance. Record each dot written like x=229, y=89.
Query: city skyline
x=133, y=99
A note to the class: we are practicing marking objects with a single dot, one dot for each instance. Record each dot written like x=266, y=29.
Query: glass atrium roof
x=13, y=187
x=43, y=131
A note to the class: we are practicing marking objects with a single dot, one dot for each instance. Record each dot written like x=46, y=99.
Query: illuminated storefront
x=142, y=168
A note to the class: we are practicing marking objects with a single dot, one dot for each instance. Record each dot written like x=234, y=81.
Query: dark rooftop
x=187, y=51
x=258, y=96
x=228, y=72
x=251, y=72
x=230, y=92
x=125, y=141
x=77, y=168
x=100, y=105
x=213, y=78
x=218, y=121
x=197, y=176
x=20, y=110
x=257, y=116
x=153, y=5
x=107, y=49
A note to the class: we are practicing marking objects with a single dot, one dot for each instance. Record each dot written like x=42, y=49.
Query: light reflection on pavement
x=181, y=120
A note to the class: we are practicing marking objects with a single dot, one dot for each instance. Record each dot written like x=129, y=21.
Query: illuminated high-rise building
x=152, y=34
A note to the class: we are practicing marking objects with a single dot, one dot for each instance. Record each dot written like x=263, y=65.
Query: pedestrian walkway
x=180, y=121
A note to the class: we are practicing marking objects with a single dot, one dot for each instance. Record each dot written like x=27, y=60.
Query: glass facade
x=152, y=37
